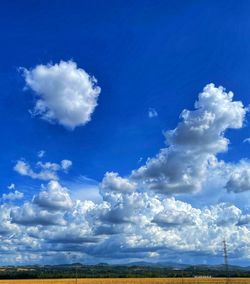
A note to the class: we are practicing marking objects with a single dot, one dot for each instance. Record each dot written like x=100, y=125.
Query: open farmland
x=132, y=281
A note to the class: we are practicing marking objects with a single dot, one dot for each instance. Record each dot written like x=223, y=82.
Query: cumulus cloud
x=12, y=195
x=47, y=208
x=31, y=215
x=134, y=223
x=46, y=171
x=112, y=181
x=175, y=213
x=53, y=197
x=148, y=223
x=65, y=94
x=124, y=224
x=239, y=180
x=7, y=228
x=193, y=145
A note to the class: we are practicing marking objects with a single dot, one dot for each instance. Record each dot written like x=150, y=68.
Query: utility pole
x=226, y=259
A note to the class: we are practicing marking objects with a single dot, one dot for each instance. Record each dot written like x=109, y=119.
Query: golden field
x=132, y=281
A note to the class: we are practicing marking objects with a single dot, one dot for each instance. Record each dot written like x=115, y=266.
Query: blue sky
x=151, y=60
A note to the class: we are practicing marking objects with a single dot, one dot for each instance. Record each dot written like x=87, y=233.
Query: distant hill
x=134, y=269
x=158, y=264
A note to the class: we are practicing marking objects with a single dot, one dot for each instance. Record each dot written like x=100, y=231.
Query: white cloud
x=41, y=154
x=53, y=197
x=12, y=195
x=151, y=224
x=7, y=228
x=140, y=160
x=46, y=171
x=31, y=215
x=153, y=254
x=152, y=113
x=193, y=144
x=65, y=94
x=247, y=140
x=11, y=186
x=112, y=181
x=66, y=164
x=132, y=223
x=239, y=179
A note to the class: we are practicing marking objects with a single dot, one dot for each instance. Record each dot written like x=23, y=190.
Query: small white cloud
x=247, y=140
x=45, y=171
x=66, y=164
x=12, y=195
x=41, y=154
x=11, y=186
x=24, y=169
x=153, y=254
x=140, y=160
x=152, y=113
x=65, y=94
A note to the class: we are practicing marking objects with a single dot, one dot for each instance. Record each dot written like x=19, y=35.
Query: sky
x=125, y=133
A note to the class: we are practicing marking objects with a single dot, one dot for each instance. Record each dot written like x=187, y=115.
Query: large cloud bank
x=124, y=225
x=140, y=216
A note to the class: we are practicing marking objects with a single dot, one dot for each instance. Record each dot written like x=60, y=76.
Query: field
x=133, y=281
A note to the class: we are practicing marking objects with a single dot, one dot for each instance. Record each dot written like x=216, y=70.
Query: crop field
x=132, y=281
